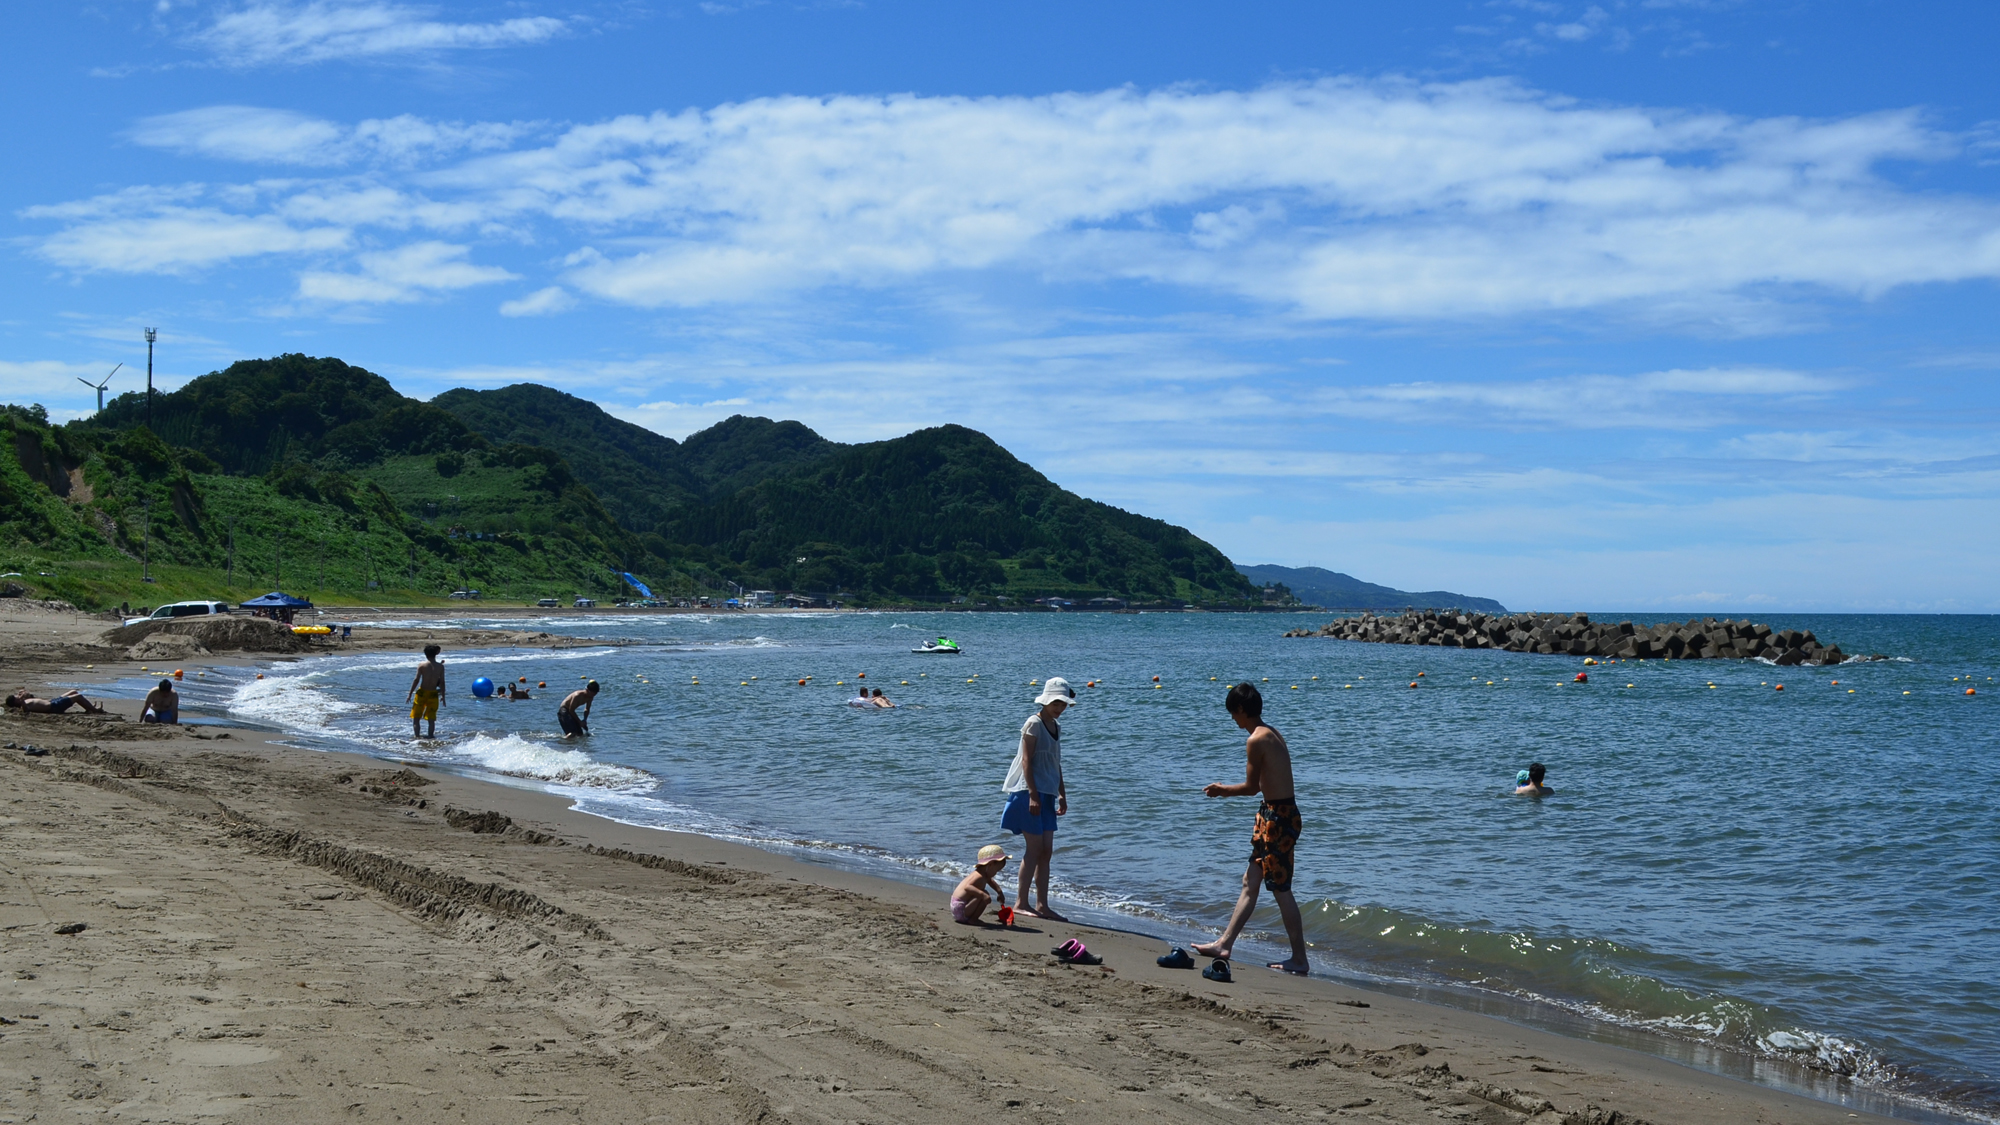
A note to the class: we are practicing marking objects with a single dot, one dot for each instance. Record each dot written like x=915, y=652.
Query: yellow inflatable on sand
x=315, y=630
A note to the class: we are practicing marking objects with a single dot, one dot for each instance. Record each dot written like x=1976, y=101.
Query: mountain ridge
x=1334, y=590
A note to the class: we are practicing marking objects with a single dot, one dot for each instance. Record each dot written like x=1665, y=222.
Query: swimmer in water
x=881, y=700
x=1528, y=783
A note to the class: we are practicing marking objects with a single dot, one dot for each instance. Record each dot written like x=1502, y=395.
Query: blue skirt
x=1018, y=820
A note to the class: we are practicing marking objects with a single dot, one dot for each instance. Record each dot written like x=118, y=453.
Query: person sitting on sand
x=566, y=716
x=27, y=701
x=881, y=700
x=968, y=902
x=1528, y=783
x=427, y=693
x=1274, y=838
x=162, y=705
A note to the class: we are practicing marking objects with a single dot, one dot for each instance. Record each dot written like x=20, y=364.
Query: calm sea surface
x=1800, y=886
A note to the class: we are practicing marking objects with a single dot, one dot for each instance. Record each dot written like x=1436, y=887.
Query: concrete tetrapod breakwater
x=1574, y=634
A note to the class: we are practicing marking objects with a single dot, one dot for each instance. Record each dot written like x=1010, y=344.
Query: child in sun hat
x=968, y=902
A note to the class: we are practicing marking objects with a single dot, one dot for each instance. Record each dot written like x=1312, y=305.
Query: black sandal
x=1178, y=959
x=1218, y=972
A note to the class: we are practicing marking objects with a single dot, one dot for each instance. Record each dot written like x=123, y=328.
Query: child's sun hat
x=1521, y=778
x=1054, y=688
x=991, y=852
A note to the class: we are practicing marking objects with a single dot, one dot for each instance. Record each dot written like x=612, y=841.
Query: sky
x=1685, y=306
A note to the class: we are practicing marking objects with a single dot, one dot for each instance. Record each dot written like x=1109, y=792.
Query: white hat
x=1054, y=688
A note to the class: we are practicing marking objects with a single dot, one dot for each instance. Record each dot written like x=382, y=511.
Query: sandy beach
x=279, y=934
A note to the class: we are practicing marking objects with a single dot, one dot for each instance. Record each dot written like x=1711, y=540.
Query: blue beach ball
x=482, y=687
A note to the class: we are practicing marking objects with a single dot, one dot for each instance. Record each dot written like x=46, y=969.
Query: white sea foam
x=293, y=702
x=540, y=761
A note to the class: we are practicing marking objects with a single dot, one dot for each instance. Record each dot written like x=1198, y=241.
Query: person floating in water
x=515, y=692
x=880, y=700
x=1274, y=838
x=1528, y=783
x=566, y=715
x=162, y=705
x=968, y=902
x=427, y=693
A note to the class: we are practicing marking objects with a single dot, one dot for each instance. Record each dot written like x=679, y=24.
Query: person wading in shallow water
x=427, y=693
x=1036, y=797
x=1276, y=833
x=566, y=716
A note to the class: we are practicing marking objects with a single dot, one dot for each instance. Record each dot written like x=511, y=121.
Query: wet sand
x=287, y=935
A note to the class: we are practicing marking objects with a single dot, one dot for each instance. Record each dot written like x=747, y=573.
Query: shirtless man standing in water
x=426, y=693
x=1276, y=834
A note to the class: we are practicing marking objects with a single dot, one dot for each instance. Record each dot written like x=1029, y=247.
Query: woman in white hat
x=1036, y=797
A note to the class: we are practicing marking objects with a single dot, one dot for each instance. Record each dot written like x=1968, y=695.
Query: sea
x=1799, y=887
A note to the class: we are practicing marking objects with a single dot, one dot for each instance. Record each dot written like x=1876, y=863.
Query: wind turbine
x=99, y=387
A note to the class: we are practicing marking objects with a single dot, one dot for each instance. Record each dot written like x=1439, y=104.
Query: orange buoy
x=1583, y=677
x=1781, y=687
x=860, y=675
x=1969, y=691
x=1156, y=679
x=523, y=680
x=541, y=683
x=1421, y=675
x=1413, y=683
x=260, y=675
x=177, y=673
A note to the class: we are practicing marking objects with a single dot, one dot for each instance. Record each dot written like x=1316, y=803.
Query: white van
x=586, y=603
x=181, y=609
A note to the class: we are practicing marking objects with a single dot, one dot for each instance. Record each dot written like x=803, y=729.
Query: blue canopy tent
x=277, y=599
x=635, y=584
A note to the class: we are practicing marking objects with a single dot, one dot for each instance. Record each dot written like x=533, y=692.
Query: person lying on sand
x=566, y=716
x=27, y=701
x=968, y=902
x=162, y=705
x=427, y=693
x=1528, y=783
x=1275, y=836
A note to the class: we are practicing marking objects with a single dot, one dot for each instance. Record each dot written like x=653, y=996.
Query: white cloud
x=1336, y=200
x=275, y=136
x=178, y=239
x=407, y=273
x=1651, y=401
x=542, y=302
x=264, y=33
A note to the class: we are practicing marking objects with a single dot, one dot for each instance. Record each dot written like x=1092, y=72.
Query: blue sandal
x=1218, y=972
x=1178, y=959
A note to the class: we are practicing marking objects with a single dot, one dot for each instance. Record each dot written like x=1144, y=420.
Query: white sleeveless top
x=1048, y=759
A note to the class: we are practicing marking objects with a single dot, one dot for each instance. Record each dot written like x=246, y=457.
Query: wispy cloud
x=274, y=136
x=1650, y=401
x=266, y=33
x=542, y=302
x=1336, y=200
x=407, y=273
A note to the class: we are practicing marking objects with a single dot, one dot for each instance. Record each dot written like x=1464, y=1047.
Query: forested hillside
x=321, y=474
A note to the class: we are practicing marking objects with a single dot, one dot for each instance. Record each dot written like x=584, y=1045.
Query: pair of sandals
x=1074, y=952
x=1180, y=958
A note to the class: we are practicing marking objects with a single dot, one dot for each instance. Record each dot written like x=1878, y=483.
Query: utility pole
x=151, y=335
x=230, y=576
x=322, y=562
x=413, y=565
x=278, y=565
x=146, y=543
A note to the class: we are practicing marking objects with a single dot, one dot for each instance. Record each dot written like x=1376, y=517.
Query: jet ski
x=941, y=645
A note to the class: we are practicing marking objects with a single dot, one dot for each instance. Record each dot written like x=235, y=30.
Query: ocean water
x=1799, y=886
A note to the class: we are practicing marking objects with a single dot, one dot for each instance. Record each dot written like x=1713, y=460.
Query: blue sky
x=1681, y=306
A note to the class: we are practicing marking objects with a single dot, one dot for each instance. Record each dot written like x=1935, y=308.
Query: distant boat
x=941, y=645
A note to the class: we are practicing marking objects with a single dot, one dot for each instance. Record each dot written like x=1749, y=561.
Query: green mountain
x=1333, y=590
x=319, y=473
x=929, y=516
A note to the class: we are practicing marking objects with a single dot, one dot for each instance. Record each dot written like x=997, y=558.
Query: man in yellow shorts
x=427, y=693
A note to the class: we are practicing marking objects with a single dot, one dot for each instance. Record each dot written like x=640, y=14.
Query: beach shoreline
x=618, y=901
